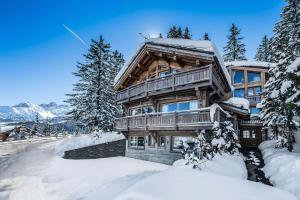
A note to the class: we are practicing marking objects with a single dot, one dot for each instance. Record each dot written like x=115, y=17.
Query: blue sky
x=38, y=55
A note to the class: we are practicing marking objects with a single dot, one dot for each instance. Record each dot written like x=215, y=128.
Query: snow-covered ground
x=86, y=140
x=37, y=172
x=227, y=165
x=178, y=184
x=283, y=167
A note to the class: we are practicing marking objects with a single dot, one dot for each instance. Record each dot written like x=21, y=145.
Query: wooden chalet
x=168, y=91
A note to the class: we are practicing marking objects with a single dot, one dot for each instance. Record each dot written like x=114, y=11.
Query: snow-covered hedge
x=227, y=165
x=282, y=167
x=86, y=140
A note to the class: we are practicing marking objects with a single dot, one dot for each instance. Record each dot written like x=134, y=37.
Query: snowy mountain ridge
x=27, y=111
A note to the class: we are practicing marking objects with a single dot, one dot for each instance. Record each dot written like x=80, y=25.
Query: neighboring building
x=248, y=79
x=168, y=91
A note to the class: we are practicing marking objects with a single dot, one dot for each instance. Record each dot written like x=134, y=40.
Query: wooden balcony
x=204, y=76
x=251, y=122
x=185, y=120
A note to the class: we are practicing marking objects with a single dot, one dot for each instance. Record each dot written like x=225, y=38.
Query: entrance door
x=250, y=136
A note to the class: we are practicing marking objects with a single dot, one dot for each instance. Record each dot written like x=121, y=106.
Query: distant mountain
x=27, y=111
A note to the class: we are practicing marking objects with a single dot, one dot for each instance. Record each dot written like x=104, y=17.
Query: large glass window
x=180, y=106
x=178, y=142
x=238, y=77
x=255, y=110
x=254, y=91
x=136, y=142
x=253, y=76
x=239, y=92
x=163, y=74
x=141, y=110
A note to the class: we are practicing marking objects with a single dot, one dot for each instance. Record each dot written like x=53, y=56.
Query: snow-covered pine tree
x=264, y=52
x=232, y=144
x=36, y=126
x=218, y=141
x=93, y=100
x=235, y=48
x=187, y=34
x=286, y=48
x=201, y=150
x=205, y=36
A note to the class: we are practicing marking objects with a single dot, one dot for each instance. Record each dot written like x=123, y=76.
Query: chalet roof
x=194, y=45
x=250, y=63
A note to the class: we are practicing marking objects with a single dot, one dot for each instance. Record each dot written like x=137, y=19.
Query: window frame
x=191, y=106
x=253, y=72
x=234, y=72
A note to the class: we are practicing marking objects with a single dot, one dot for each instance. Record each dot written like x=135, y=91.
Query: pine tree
x=160, y=36
x=173, y=32
x=218, y=141
x=47, y=128
x=285, y=82
x=232, y=145
x=264, y=52
x=205, y=36
x=93, y=100
x=235, y=48
x=186, y=33
x=36, y=126
x=179, y=32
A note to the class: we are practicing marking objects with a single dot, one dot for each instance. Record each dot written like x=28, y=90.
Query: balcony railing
x=164, y=84
x=185, y=120
x=254, y=99
x=251, y=122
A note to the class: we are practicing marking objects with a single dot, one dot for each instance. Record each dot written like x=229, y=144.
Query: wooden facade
x=166, y=76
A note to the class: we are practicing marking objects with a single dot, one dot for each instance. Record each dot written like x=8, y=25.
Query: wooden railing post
x=146, y=87
x=173, y=82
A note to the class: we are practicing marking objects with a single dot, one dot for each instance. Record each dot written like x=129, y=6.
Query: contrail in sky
x=73, y=33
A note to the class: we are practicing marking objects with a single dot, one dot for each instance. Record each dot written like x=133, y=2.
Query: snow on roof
x=250, y=63
x=199, y=45
x=239, y=102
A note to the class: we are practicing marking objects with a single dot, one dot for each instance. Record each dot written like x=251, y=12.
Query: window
x=254, y=91
x=162, y=141
x=238, y=77
x=175, y=71
x=180, y=106
x=246, y=134
x=257, y=90
x=255, y=110
x=141, y=110
x=253, y=76
x=239, y=92
x=163, y=74
x=250, y=91
x=137, y=142
x=178, y=142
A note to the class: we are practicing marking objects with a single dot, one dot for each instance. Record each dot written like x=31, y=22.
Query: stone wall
x=111, y=149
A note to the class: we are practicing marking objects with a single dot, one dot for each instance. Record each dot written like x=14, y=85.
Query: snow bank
x=282, y=167
x=239, y=102
x=6, y=128
x=86, y=140
x=178, y=184
x=227, y=165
